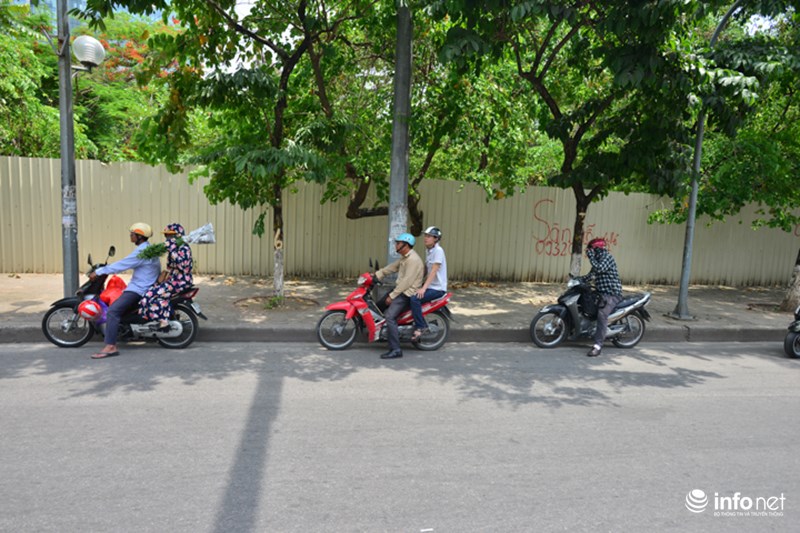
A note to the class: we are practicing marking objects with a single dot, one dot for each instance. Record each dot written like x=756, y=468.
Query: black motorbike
x=575, y=317
x=791, y=344
x=66, y=328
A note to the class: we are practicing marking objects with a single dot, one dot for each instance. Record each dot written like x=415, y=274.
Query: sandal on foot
x=103, y=355
x=418, y=334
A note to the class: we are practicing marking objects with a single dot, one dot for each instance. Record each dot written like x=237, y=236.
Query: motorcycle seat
x=187, y=289
x=626, y=302
x=442, y=297
x=629, y=300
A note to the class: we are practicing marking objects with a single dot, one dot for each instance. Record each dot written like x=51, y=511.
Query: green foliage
x=109, y=101
x=108, y=106
x=246, y=126
x=592, y=96
x=622, y=85
x=28, y=127
x=274, y=302
x=255, y=109
x=760, y=164
x=29, y=119
x=606, y=78
x=157, y=250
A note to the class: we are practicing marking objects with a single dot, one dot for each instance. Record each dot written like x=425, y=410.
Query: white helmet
x=140, y=228
x=433, y=231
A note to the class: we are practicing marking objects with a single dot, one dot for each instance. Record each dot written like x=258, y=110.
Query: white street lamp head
x=88, y=50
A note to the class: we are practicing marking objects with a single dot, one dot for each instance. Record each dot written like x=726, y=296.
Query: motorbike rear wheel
x=633, y=332
x=183, y=314
x=791, y=344
x=66, y=329
x=335, y=331
x=435, y=337
x=548, y=329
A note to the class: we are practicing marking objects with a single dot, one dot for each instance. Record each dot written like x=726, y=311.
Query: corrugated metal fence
x=525, y=237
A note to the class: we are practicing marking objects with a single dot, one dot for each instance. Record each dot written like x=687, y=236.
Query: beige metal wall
x=524, y=237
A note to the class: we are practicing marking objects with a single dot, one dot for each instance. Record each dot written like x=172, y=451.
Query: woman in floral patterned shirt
x=155, y=304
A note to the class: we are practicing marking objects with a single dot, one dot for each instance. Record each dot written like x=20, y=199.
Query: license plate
x=196, y=308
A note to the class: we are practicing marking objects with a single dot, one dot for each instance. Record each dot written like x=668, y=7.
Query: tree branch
x=236, y=26
x=558, y=48
x=540, y=52
x=537, y=83
x=583, y=128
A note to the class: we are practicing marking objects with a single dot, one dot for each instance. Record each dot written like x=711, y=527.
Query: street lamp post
x=681, y=311
x=89, y=53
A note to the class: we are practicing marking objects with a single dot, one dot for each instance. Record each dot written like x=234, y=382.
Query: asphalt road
x=241, y=437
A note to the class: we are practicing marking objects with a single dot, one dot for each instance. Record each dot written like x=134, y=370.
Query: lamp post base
x=678, y=316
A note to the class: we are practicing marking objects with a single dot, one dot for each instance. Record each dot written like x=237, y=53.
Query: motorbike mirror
x=90, y=260
x=112, y=252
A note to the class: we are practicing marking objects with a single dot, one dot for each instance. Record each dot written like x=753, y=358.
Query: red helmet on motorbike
x=596, y=243
x=90, y=310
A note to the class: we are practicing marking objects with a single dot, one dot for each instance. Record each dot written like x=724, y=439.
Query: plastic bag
x=113, y=290
x=202, y=235
x=103, y=310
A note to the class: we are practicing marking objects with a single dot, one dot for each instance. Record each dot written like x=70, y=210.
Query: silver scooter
x=575, y=317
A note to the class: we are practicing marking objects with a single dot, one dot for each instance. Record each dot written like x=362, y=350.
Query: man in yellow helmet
x=145, y=273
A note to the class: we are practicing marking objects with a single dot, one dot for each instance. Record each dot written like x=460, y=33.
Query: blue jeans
x=120, y=306
x=416, y=306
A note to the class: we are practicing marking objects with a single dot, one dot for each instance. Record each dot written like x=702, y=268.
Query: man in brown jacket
x=410, y=270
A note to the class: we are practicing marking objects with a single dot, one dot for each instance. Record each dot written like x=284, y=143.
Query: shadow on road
x=510, y=376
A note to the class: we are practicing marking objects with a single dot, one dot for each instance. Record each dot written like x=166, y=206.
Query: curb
x=30, y=334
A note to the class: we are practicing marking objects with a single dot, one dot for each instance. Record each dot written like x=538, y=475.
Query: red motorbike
x=66, y=325
x=337, y=328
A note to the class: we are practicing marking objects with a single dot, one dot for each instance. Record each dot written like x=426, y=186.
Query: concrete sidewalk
x=483, y=311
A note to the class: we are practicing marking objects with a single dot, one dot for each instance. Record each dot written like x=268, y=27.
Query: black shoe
x=392, y=354
x=594, y=352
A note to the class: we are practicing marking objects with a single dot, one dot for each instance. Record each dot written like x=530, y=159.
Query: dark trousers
x=394, y=310
x=120, y=306
x=416, y=306
x=608, y=304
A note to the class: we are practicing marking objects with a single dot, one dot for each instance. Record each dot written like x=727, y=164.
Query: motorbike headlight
x=362, y=279
x=573, y=282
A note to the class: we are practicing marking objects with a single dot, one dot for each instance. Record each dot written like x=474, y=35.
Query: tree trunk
x=792, y=299
x=277, y=243
x=582, y=202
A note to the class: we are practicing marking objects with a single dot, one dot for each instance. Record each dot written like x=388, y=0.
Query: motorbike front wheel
x=188, y=320
x=335, y=331
x=65, y=328
x=435, y=337
x=791, y=344
x=632, y=333
x=548, y=329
